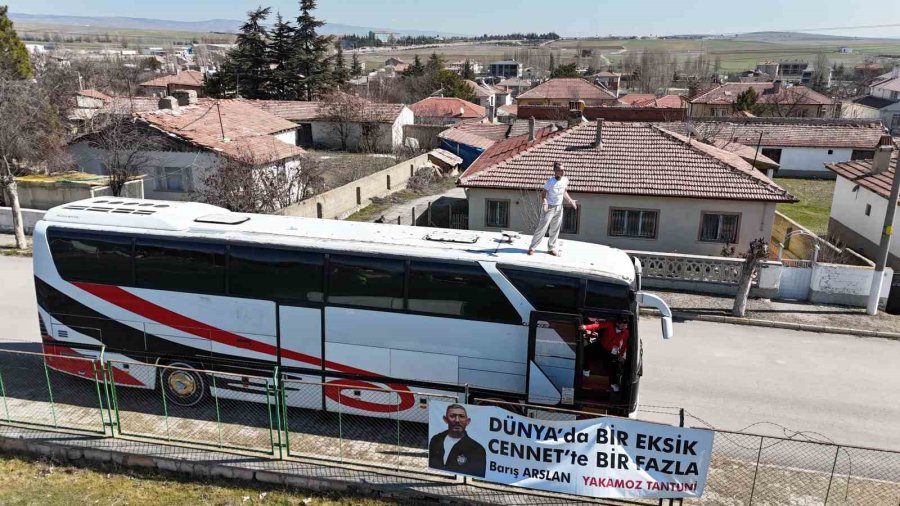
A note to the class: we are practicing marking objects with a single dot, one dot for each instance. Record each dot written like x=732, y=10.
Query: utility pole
x=880, y=163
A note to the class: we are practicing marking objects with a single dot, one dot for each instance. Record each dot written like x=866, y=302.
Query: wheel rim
x=182, y=383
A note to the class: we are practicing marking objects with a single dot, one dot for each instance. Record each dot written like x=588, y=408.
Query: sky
x=566, y=17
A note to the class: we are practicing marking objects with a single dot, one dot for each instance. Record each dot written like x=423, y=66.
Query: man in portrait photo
x=453, y=450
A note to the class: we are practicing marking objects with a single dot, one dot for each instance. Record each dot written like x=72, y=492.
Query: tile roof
x=248, y=129
x=94, y=94
x=859, y=172
x=508, y=110
x=453, y=107
x=789, y=132
x=727, y=94
x=890, y=84
x=185, y=78
x=873, y=102
x=478, y=135
x=573, y=88
x=480, y=91
x=748, y=153
x=520, y=126
x=502, y=151
x=650, y=100
x=299, y=110
x=634, y=159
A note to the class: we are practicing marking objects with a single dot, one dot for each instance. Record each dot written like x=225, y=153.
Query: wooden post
x=413, y=223
x=429, y=215
x=398, y=219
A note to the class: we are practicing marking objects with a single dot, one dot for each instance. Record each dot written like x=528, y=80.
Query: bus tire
x=183, y=384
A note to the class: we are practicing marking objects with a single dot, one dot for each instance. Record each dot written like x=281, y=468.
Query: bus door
x=555, y=349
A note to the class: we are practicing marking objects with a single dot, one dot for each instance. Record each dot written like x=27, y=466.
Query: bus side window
x=366, y=282
x=267, y=273
x=602, y=295
x=546, y=292
x=458, y=290
x=183, y=266
x=92, y=258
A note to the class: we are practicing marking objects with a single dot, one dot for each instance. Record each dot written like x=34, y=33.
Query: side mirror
x=654, y=301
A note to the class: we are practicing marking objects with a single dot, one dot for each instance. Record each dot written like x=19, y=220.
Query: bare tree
x=126, y=148
x=758, y=251
x=31, y=135
x=343, y=112
x=244, y=184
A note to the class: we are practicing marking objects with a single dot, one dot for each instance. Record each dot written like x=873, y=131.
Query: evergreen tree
x=340, y=70
x=311, y=54
x=416, y=69
x=552, y=63
x=746, y=100
x=245, y=71
x=281, y=50
x=435, y=64
x=13, y=55
x=567, y=70
x=467, y=72
x=356, y=69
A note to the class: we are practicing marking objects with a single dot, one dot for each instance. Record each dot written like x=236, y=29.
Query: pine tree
x=552, y=63
x=340, y=70
x=245, y=71
x=467, y=72
x=416, y=69
x=311, y=54
x=281, y=49
x=746, y=100
x=356, y=69
x=435, y=64
x=13, y=55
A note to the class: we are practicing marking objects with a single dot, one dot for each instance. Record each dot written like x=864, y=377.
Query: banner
x=600, y=457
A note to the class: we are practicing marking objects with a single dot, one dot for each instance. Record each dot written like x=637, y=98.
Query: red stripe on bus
x=130, y=302
x=63, y=358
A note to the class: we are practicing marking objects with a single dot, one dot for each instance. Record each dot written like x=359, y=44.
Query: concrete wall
x=29, y=217
x=326, y=135
x=850, y=224
x=678, y=227
x=846, y=285
x=799, y=111
x=45, y=195
x=341, y=202
x=810, y=161
x=425, y=135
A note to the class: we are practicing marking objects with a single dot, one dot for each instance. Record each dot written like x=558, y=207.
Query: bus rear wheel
x=183, y=384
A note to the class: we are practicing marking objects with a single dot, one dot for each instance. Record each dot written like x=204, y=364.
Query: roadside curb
x=687, y=315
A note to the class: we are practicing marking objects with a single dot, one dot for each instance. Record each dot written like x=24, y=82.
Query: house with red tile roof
x=564, y=91
x=801, y=146
x=638, y=187
x=192, y=141
x=183, y=80
x=651, y=100
x=446, y=111
x=774, y=99
x=489, y=96
x=861, y=198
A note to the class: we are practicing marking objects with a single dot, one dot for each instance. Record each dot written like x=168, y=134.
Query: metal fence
x=290, y=418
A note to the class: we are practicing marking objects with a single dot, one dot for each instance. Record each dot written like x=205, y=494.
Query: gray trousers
x=552, y=220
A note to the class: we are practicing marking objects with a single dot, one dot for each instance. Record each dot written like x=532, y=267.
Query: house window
x=773, y=153
x=830, y=151
x=868, y=209
x=894, y=95
x=496, y=213
x=639, y=223
x=718, y=227
x=173, y=179
x=862, y=154
x=570, y=220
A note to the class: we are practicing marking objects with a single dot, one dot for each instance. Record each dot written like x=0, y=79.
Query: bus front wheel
x=183, y=384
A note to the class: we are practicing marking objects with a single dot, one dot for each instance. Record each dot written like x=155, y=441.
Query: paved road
x=843, y=387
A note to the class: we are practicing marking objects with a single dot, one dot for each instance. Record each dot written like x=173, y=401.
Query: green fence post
x=50, y=391
x=283, y=413
x=162, y=389
x=218, y=416
x=3, y=392
x=269, y=396
x=113, y=400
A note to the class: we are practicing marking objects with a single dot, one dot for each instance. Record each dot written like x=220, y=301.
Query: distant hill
x=209, y=25
x=794, y=37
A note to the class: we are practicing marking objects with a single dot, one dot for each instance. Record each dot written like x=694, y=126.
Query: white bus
x=197, y=287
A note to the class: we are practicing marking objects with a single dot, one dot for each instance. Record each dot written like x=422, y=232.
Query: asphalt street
x=769, y=381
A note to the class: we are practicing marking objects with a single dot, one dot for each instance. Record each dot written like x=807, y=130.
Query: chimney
x=882, y=158
x=575, y=118
x=776, y=86
x=598, y=136
x=170, y=103
x=185, y=97
x=531, y=129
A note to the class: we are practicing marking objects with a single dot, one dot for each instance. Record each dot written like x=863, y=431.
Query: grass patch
x=815, y=202
x=27, y=482
x=380, y=205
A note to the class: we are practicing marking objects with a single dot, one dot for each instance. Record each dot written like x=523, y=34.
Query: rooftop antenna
x=221, y=126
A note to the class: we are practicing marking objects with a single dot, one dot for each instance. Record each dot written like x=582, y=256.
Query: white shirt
x=556, y=188
x=449, y=443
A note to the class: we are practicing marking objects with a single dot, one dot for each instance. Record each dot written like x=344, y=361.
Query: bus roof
x=192, y=219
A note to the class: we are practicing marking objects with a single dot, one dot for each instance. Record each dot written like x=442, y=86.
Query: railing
x=287, y=421
x=674, y=266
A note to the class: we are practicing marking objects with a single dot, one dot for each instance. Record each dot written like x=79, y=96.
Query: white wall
x=288, y=137
x=406, y=117
x=845, y=284
x=810, y=161
x=849, y=208
x=678, y=228
x=29, y=218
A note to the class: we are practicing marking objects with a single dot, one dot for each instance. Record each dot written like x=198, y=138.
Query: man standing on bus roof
x=552, y=196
